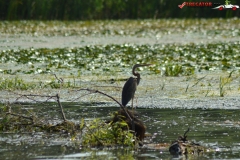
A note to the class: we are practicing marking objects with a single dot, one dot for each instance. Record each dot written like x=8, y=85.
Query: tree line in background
x=106, y=9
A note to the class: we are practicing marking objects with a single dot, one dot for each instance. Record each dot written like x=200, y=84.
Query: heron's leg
x=136, y=103
x=132, y=102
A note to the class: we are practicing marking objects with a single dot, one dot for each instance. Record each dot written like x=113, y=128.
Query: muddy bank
x=154, y=91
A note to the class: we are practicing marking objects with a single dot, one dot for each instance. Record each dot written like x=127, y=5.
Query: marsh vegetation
x=195, y=74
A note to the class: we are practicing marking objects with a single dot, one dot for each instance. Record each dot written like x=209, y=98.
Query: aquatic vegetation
x=171, y=59
x=223, y=81
x=99, y=133
x=168, y=60
x=173, y=70
x=15, y=84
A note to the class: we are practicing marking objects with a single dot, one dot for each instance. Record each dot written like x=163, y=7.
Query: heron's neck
x=138, y=77
x=136, y=74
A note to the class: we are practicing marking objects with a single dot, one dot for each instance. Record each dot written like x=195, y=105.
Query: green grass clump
x=223, y=82
x=15, y=83
x=100, y=133
x=177, y=70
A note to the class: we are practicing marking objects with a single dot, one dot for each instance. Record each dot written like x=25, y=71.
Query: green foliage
x=15, y=83
x=173, y=70
x=103, y=9
x=223, y=81
x=177, y=70
x=174, y=59
x=100, y=133
x=137, y=28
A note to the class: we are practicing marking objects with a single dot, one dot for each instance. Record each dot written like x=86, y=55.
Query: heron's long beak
x=146, y=65
x=141, y=65
x=138, y=65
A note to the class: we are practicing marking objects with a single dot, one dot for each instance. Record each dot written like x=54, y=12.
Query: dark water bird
x=130, y=86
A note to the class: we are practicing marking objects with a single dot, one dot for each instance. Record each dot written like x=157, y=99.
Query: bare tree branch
x=96, y=91
x=18, y=115
x=34, y=95
x=56, y=97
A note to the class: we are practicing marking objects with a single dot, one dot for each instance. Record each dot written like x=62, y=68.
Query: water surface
x=216, y=129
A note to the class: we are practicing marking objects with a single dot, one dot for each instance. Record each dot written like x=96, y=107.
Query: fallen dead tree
x=19, y=118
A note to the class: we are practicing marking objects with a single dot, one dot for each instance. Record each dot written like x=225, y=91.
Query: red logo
x=181, y=6
x=196, y=4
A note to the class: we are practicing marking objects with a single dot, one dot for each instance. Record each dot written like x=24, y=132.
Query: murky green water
x=215, y=129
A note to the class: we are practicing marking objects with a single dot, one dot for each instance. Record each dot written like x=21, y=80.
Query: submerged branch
x=61, y=108
x=34, y=95
x=21, y=116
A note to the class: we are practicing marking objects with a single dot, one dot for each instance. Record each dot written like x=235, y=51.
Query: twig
x=199, y=80
x=61, y=108
x=80, y=97
x=163, y=85
x=230, y=74
x=48, y=98
x=96, y=91
x=184, y=135
x=34, y=95
x=18, y=115
x=186, y=88
x=108, y=86
x=207, y=93
x=59, y=79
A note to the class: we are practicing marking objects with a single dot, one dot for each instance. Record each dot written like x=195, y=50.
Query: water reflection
x=215, y=129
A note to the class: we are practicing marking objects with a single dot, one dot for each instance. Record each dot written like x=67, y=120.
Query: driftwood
x=182, y=146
